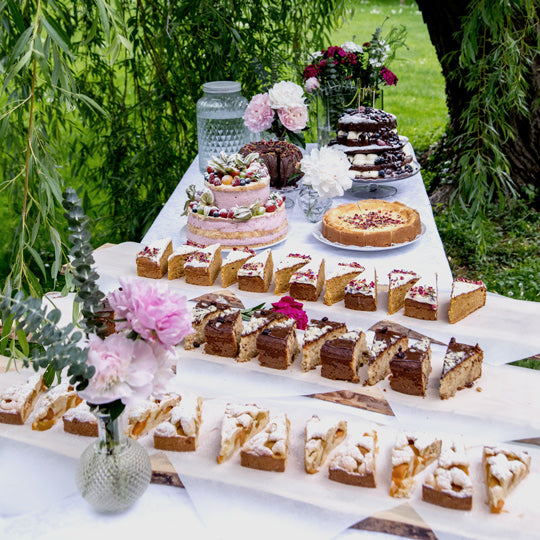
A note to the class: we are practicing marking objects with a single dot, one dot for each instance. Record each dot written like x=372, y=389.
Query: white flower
x=327, y=172
x=314, y=55
x=286, y=94
x=351, y=46
x=312, y=84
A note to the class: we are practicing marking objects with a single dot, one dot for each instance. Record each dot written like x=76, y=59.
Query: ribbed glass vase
x=312, y=204
x=114, y=471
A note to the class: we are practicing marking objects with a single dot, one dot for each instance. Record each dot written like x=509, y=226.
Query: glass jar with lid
x=220, y=124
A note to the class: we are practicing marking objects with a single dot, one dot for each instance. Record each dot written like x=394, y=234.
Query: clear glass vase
x=312, y=204
x=114, y=471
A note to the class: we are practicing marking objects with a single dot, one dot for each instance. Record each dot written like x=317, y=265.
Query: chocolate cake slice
x=461, y=367
x=278, y=345
x=341, y=357
x=411, y=369
x=222, y=334
x=386, y=344
x=201, y=314
x=317, y=333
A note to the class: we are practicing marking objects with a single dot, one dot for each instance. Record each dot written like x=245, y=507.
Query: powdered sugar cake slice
x=321, y=437
x=286, y=267
x=421, y=300
x=467, y=296
x=355, y=461
x=399, y=283
x=240, y=423
x=53, y=405
x=80, y=420
x=18, y=401
x=338, y=278
x=504, y=469
x=148, y=414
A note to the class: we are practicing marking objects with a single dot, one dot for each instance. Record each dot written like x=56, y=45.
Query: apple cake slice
x=18, y=401
x=322, y=436
x=150, y=413
x=56, y=402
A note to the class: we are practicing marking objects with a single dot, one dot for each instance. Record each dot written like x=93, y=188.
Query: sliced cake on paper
x=234, y=260
x=354, y=462
x=286, y=267
x=202, y=267
x=240, y=423
x=386, y=343
x=467, y=296
x=180, y=433
x=411, y=368
x=222, y=334
x=56, y=402
x=255, y=275
x=307, y=283
x=450, y=484
x=504, y=469
x=269, y=449
x=177, y=259
x=148, y=414
x=337, y=280
x=399, y=283
x=321, y=437
x=341, y=357
x=316, y=334
x=421, y=301
x=18, y=401
x=462, y=365
x=203, y=312
x=80, y=420
x=152, y=260
x=412, y=453
x=361, y=293
x=278, y=344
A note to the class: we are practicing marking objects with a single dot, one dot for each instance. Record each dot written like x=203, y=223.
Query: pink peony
x=388, y=76
x=293, y=309
x=152, y=310
x=294, y=118
x=124, y=370
x=259, y=115
x=312, y=84
x=165, y=363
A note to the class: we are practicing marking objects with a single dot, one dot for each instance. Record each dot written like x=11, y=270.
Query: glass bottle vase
x=114, y=471
x=312, y=204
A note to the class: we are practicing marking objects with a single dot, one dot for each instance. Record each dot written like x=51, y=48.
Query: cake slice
x=202, y=267
x=449, y=485
x=240, y=423
x=80, y=420
x=307, y=283
x=421, y=300
x=222, y=334
x=342, y=356
x=411, y=454
x=56, y=402
x=278, y=345
x=269, y=449
x=504, y=470
x=411, y=368
x=260, y=320
x=180, y=433
x=178, y=258
x=285, y=268
x=256, y=274
x=399, y=283
x=316, y=334
x=201, y=314
x=232, y=263
x=361, y=293
x=150, y=413
x=462, y=365
x=354, y=462
x=152, y=260
x=18, y=401
x=467, y=296
x=338, y=279
x=321, y=437
x=386, y=343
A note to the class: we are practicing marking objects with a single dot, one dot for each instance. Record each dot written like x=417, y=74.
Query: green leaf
x=37, y=258
x=6, y=330
x=55, y=35
x=48, y=376
x=104, y=18
x=23, y=342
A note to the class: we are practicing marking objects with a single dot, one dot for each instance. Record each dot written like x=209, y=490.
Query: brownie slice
x=411, y=369
x=278, y=345
x=222, y=334
x=341, y=357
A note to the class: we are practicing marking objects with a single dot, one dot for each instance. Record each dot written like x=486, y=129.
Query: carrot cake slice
x=152, y=260
x=342, y=356
x=338, y=279
x=278, y=345
x=411, y=368
x=80, y=420
x=450, y=485
x=53, y=405
x=222, y=334
x=240, y=423
x=256, y=274
x=316, y=334
x=147, y=415
x=307, y=283
x=232, y=263
x=269, y=449
x=421, y=300
x=201, y=314
x=321, y=437
x=400, y=281
x=467, y=296
x=386, y=343
x=286, y=267
x=361, y=293
x=178, y=258
x=181, y=432
x=462, y=365
x=18, y=401
x=354, y=462
x=504, y=470
x=202, y=267
x=411, y=454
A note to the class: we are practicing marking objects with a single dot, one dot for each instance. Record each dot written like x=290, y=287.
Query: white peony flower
x=351, y=46
x=286, y=94
x=326, y=170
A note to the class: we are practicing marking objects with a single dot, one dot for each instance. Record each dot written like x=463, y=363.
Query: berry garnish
x=270, y=207
x=209, y=169
x=236, y=181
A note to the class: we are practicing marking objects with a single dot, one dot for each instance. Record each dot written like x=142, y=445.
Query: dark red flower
x=332, y=51
x=388, y=76
x=352, y=58
x=310, y=71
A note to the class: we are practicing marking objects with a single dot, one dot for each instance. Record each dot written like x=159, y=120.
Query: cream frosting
x=255, y=266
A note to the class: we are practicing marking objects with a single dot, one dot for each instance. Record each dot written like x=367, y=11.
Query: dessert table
x=39, y=499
